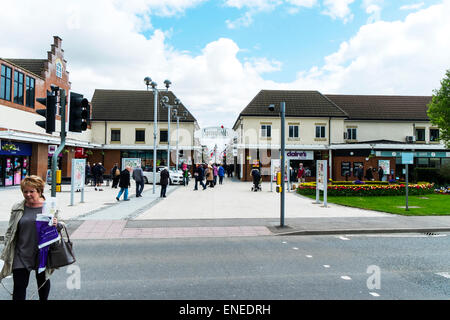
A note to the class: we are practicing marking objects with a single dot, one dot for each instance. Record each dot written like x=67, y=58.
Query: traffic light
x=80, y=112
x=49, y=113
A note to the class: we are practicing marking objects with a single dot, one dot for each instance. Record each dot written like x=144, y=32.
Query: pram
x=257, y=184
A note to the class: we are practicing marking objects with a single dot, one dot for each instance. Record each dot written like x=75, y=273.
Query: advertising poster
x=132, y=162
x=321, y=167
x=385, y=164
x=78, y=172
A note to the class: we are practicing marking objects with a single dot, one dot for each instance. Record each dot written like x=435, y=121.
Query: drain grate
x=431, y=234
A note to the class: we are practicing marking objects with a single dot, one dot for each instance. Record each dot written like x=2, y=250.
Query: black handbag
x=60, y=253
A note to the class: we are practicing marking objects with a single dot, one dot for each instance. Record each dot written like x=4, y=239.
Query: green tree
x=439, y=109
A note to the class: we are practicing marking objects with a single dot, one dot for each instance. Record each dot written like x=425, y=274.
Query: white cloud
x=107, y=51
x=302, y=3
x=373, y=8
x=413, y=6
x=399, y=57
x=338, y=9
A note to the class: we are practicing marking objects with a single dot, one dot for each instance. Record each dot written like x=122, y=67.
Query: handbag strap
x=67, y=233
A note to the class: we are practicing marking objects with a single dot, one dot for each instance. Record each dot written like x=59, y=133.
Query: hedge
x=368, y=189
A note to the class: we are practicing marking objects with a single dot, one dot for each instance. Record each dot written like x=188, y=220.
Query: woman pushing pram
x=256, y=174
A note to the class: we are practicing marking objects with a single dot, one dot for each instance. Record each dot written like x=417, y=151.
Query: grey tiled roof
x=132, y=105
x=35, y=66
x=298, y=104
x=375, y=107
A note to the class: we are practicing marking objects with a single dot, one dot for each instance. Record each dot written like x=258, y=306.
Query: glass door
x=9, y=171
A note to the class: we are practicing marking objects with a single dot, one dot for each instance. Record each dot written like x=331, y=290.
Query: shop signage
x=300, y=155
x=133, y=163
x=416, y=154
x=20, y=149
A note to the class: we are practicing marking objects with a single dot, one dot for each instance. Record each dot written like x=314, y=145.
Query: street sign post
x=407, y=159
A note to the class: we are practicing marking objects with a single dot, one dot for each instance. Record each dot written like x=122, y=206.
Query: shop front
x=14, y=162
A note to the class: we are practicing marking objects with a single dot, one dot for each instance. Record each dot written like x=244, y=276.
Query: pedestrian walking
x=199, y=176
x=209, y=176
x=360, y=173
x=221, y=173
x=99, y=170
x=138, y=177
x=164, y=181
x=380, y=174
x=20, y=253
x=115, y=175
x=215, y=173
x=369, y=174
x=87, y=174
x=301, y=173
x=124, y=183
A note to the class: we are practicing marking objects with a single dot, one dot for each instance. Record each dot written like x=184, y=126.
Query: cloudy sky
x=220, y=53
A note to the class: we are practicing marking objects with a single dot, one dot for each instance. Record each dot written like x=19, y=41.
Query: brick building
x=21, y=82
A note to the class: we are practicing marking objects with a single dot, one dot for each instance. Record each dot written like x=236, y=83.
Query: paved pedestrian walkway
x=231, y=209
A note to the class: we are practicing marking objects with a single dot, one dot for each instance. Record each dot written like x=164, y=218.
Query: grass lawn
x=429, y=205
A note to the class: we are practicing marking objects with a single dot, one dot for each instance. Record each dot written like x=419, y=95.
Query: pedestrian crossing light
x=49, y=113
x=79, y=113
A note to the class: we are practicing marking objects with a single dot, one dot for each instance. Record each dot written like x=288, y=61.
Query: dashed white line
x=284, y=242
x=346, y=278
x=444, y=274
x=308, y=256
x=374, y=294
x=295, y=248
x=344, y=238
x=326, y=266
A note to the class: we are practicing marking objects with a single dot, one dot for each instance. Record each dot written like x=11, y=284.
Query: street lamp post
x=175, y=111
x=282, y=156
x=148, y=81
x=165, y=101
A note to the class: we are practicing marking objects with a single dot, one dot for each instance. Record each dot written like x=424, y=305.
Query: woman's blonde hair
x=35, y=182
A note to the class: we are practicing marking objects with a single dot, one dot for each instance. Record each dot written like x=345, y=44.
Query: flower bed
x=368, y=189
x=443, y=190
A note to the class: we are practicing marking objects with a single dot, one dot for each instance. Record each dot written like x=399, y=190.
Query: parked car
x=174, y=176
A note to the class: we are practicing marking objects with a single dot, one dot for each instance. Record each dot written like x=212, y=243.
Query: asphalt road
x=372, y=267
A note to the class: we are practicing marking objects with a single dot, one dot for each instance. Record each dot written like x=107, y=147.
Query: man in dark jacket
x=380, y=174
x=199, y=176
x=164, y=181
x=124, y=183
x=138, y=176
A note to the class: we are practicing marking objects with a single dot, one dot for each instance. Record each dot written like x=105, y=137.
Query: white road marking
x=295, y=248
x=308, y=256
x=326, y=266
x=344, y=238
x=398, y=235
x=284, y=242
x=346, y=278
x=444, y=274
x=374, y=294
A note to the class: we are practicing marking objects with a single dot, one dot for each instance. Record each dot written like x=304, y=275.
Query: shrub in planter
x=369, y=190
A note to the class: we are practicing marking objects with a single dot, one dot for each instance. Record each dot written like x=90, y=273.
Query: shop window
x=18, y=87
x=115, y=135
x=30, y=93
x=140, y=135
x=434, y=135
x=422, y=162
x=5, y=83
x=420, y=134
x=435, y=163
x=266, y=130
